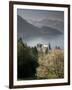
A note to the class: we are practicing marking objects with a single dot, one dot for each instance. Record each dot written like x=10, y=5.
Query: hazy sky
x=44, y=18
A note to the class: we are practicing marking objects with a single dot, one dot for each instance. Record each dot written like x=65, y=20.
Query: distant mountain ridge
x=33, y=35
x=26, y=29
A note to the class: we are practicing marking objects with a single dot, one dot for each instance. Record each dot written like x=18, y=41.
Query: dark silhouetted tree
x=27, y=61
x=49, y=46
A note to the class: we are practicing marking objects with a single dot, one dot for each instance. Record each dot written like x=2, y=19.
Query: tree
x=35, y=52
x=27, y=62
x=57, y=47
x=49, y=46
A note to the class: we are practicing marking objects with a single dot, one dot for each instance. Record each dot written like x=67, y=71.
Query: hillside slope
x=51, y=65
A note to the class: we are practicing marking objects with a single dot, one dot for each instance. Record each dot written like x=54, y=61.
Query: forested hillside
x=39, y=65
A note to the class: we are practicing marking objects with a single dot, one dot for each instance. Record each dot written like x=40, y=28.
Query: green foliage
x=56, y=71
x=35, y=52
x=27, y=61
x=51, y=66
x=34, y=65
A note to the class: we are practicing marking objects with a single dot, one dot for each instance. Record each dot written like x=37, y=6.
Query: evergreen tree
x=26, y=61
x=49, y=46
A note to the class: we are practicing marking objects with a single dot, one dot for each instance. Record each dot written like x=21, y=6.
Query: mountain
x=57, y=24
x=50, y=31
x=26, y=30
